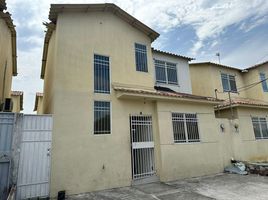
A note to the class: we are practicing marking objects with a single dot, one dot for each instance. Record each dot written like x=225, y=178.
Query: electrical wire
x=251, y=85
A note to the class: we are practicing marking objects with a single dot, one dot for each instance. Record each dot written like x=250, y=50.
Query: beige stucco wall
x=200, y=85
x=180, y=160
x=5, y=60
x=253, y=76
x=206, y=78
x=247, y=147
x=16, y=103
x=39, y=110
x=50, y=72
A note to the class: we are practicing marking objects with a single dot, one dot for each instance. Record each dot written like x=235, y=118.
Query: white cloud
x=208, y=18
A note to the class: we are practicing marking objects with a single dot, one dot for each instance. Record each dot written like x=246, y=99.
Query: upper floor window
x=102, y=118
x=260, y=127
x=228, y=83
x=101, y=74
x=166, y=72
x=264, y=82
x=185, y=127
x=141, y=57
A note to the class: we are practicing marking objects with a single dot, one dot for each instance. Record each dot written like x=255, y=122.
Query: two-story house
x=245, y=103
x=8, y=57
x=123, y=112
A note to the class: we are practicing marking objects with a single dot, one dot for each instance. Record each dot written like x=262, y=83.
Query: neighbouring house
x=122, y=112
x=245, y=104
x=8, y=57
x=17, y=101
x=38, y=104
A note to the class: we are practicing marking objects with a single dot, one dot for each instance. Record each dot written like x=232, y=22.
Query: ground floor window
x=185, y=127
x=260, y=127
x=102, y=117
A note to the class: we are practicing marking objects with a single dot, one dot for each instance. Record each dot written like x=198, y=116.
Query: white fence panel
x=34, y=164
x=7, y=121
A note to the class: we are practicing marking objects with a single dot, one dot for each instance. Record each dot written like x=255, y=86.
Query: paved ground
x=223, y=187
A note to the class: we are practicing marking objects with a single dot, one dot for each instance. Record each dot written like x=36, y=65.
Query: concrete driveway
x=224, y=186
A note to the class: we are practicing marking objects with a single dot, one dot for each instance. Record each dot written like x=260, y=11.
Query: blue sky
x=238, y=29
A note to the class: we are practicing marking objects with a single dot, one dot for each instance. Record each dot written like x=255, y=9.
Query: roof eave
x=241, y=105
x=57, y=8
x=172, y=54
x=124, y=94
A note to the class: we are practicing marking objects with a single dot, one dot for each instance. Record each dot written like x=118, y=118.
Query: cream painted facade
x=8, y=65
x=206, y=77
x=17, y=101
x=83, y=162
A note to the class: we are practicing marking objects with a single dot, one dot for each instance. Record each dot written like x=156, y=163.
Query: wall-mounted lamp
x=236, y=127
x=222, y=127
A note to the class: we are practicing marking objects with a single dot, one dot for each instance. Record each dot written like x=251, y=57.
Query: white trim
x=165, y=67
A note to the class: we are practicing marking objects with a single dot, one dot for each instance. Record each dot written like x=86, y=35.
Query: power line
x=251, y=85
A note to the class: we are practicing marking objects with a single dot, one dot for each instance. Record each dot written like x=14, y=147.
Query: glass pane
x=232, y=83
x=172, y=76
x=160, y=74
x=192, y=127
x=264, y=129
x=178, y=127
x=141, y=57
x=264, y=82
x=256, y=128
x=102, y=121
x=225, y=83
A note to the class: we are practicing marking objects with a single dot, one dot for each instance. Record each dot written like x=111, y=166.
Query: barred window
x=101, y=74
x=141, y=57
x=166, y=72
x=185, y=127
x=102, y=118
x=264, y=82
x=260, y=127
x=228, y=83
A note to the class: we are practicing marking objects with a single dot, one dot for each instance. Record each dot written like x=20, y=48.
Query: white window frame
x=260, y=127
x=166, y=72
x=186, y=141
x=262, y=78
x=229, y=84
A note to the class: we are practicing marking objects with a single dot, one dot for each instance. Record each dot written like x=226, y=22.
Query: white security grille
x=141, y=57
x=185, y=127
x=260, y=127
x=102, y=118
x=142, y=146
x=101, y=74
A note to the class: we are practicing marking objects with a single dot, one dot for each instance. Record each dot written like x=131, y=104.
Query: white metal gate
x=34, y=164
x=142, y=144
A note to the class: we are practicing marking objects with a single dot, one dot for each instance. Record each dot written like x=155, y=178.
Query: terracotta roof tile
x=172, y=54
x=243, y=101
x=167, y=94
